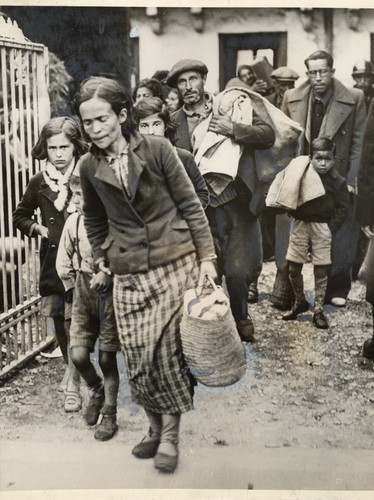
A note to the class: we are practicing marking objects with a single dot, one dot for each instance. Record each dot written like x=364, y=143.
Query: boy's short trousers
x=52, y=306
x=93, y=317
x=310, y=236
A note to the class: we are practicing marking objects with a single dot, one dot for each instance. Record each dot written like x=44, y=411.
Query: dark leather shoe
x=368, y=350
x=320, y=321
x=246, y=329
x=296, y=310
x=146, y=449
x=107, y=428
x=253, y=293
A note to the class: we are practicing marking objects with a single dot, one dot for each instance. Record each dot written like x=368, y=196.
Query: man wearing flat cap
x=284, y=79
x=235, y=228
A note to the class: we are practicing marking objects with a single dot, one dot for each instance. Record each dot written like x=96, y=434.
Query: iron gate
x=24, y=108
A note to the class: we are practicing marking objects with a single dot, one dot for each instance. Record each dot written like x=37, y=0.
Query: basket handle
x=211, y=282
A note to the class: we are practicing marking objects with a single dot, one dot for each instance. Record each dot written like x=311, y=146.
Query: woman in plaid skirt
x=146, y=225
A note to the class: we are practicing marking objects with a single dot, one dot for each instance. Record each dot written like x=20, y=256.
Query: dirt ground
x=303, y=388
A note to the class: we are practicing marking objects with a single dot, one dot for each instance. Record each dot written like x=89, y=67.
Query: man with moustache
x=234, y=226
x=324, y=107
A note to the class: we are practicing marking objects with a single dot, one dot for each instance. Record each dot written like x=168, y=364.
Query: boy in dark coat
x=314, y=224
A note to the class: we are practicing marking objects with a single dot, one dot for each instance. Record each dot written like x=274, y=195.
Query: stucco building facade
x=226, y=37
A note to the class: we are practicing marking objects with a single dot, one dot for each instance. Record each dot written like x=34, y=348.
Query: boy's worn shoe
x=368, y=350
x=320, y=321
x=253, y=293
x=296, y=310
x=246, y=329
x=107, y=428
x=94, y=406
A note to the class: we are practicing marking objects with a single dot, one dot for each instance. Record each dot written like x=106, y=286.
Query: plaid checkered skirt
x=148, y=309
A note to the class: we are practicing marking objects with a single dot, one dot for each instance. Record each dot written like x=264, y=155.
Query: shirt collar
x=124, y=152
x=325, y=98
x=204, y=111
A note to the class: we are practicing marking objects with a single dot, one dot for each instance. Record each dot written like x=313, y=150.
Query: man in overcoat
x=324, y=107
x=365, y=215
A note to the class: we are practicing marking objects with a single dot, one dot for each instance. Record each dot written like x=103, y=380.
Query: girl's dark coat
x=39, y=195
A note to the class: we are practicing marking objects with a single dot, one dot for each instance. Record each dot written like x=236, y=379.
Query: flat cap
x=182, y=66
x=284, y=74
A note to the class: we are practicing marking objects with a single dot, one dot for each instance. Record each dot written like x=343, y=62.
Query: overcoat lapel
x=105, y=174
x=47, y=192
x=340, y=107
x=136, y=162
x=183, y=135
x=135, y=166
x=298, y=104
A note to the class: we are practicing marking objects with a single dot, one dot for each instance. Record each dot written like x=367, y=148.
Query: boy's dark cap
x=182, y=66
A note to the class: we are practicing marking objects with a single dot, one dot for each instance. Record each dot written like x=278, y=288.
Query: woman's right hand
x=207, y=268
x=42, y=231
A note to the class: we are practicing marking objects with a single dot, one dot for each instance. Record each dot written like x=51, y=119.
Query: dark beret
x=181, y=67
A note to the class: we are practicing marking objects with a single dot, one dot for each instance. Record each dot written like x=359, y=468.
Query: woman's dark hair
x=161, y=75
x=152, y=84
x=170, y=90
x=154, y=106
x=62, y=124
x=323, y=144
x=320, y=54
x=111, y=91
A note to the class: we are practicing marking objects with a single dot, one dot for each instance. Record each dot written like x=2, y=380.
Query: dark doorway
x=273, y=45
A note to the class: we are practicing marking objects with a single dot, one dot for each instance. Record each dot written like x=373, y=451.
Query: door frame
x=231, y=43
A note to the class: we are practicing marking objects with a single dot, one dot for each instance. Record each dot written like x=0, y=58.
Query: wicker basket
x=212, y=348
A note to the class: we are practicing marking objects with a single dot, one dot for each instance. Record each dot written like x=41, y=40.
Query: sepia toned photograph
x=187, y=250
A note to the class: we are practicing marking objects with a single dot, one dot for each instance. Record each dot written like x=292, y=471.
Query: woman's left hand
x=207, y=268
x=101, y=282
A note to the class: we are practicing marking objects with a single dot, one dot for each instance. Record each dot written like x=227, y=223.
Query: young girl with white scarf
x=59, y=146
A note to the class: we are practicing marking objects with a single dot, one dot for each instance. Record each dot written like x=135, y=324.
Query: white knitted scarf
x=58, y=183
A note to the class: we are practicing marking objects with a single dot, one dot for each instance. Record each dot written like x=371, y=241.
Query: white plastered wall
x=179, y=39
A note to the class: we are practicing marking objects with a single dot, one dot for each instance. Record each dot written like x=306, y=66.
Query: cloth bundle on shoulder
x=211, y=344
x=295, y=185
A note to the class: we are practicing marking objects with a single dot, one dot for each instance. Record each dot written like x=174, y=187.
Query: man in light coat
x=324, y=107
